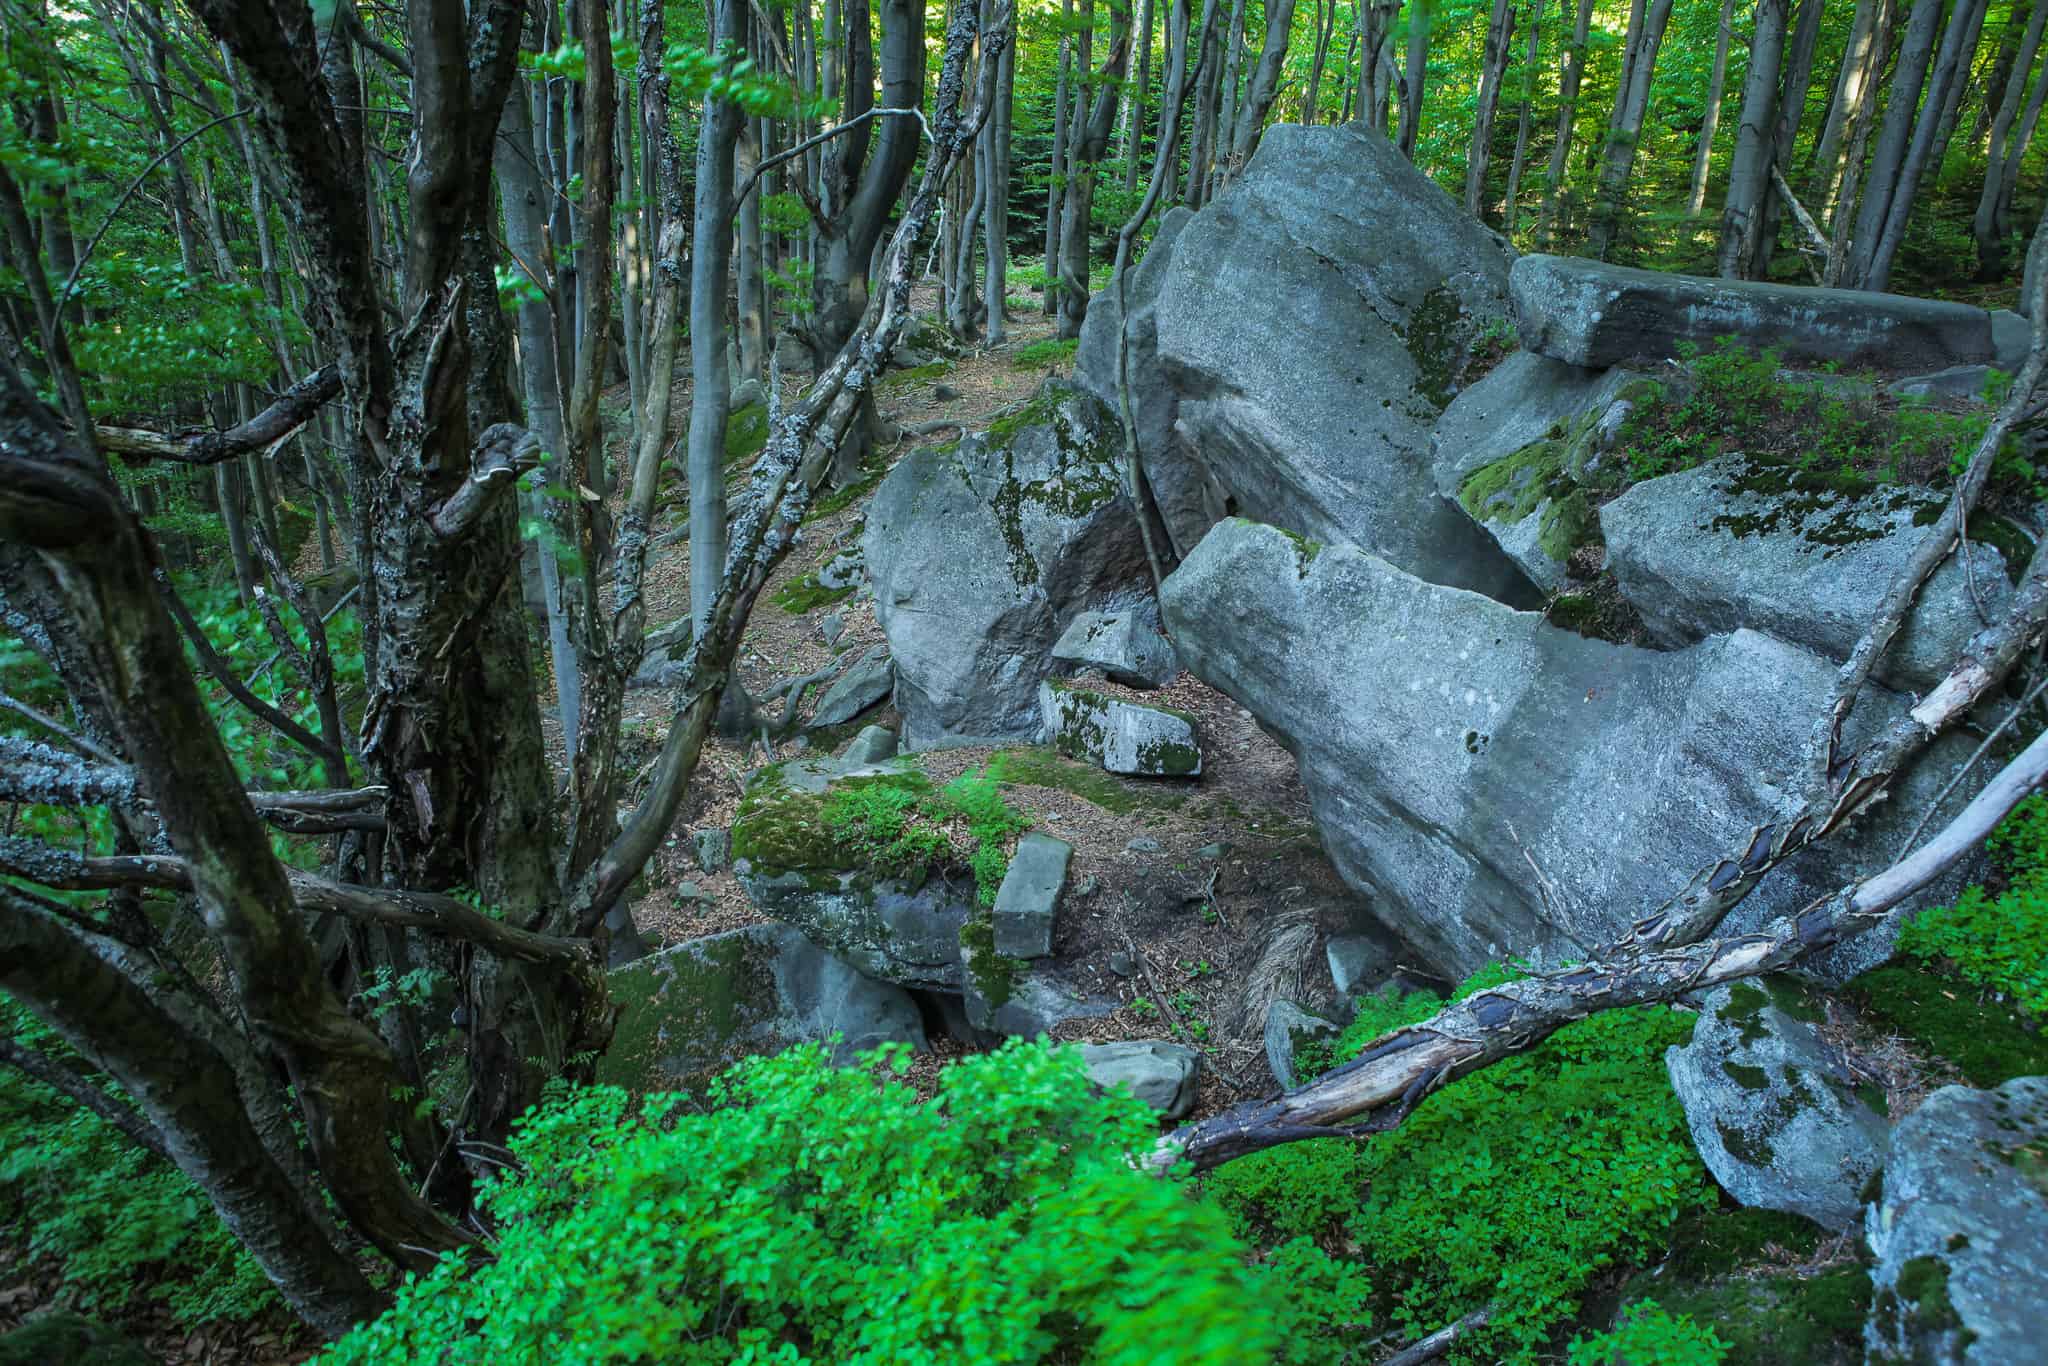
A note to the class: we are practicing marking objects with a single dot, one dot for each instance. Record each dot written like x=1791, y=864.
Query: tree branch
x=53, y=1074
x=503, y=453
x=291, y=410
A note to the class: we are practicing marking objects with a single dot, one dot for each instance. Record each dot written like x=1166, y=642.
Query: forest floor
x=1192, y=902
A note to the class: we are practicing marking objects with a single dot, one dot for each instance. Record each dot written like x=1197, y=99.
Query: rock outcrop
x=1447, y=741
x=1122, y=643
x=692, y=1010
x=1592, y=314
x=983, y=552
x=1806, y=557
x=1309, y=325
x=1122, y=736
x=1772, y=1108
x=1163, y=1075
x=1960, y=1230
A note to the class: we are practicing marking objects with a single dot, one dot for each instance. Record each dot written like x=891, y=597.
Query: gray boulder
x=844, y=570
x=1026, y=1002
x=1592, y=314
x=1960, y=1231
x=1189, y=500
x=694, y=1009
x=1736, y=543
x=713, y=848
x=901, y=925
x=1028, y=901
x=1124, y=737
x=1525, y=399
x=1163, y=1075
x=1772, y=1109
x=1357, y=963
x=1288, y=1026
x=1446, y=741
x=863, y=686
x=2011, y=336
x=1124, y=643
x=980, y=554
x=1313, y=321
x=1957, y=381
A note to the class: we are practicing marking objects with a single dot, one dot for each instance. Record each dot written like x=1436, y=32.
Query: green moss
x=806, y=594
x=678, y=1006
x=1516, y=487
x=1084, y=479
x=1044, y=767
x=746, y=432
x=1050, y=351
x=1748, y=1078
x=917, y=374
x=1923, y=1288
x=1746, y=1002
x=994, y=976
x=780, y=828
x=1438, y=336
x=1168, y=759
x=1988, y=1042
x=1743, y=1146
x=1828, y=509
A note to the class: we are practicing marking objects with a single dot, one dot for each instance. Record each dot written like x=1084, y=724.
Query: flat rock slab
x=1772, y=1109
x=1960, y=1230
x=1163, y=1075
x=860, y=688
x=1447, y=741
x=1038, y=1001
x=1591, y=314
x=1124, y=644
x=694, y=1009
x=1737, y=543
x=1028, y=901
x=1124, y=737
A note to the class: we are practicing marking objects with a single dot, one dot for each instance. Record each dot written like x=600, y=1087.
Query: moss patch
x=1988, y=1042
x=994, y=976
x=805, y=594
x=1042, y=766
x=746, y=432
x=1516, y=487
x=1083, y=480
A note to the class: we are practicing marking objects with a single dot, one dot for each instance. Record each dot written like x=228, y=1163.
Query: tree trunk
x=1793, y=88
x=718, y=130
x=1869, y=34
x=996, y=151
x=1511, y=206
x=1140, y=94
x=1415, y=73
x=1086, y=146
x=1574, y=74
x=1056, y=174
x=1710, y=116
x=1887, y=159
x=1500, y=33
x=1625, y=126
x=1984, y=224
x=1749, y=175
x=1264, y=86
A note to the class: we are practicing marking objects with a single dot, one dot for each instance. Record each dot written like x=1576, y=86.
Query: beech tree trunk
x=1710, y=116
x=1749, y=175
x=1986, y=225
x=1500, y=33
x=1415, y=73
x=1569, y=81
x=1511, y=200
x=1264, y=85
x=1625, y=125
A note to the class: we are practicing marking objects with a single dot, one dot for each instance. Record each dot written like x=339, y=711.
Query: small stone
x=1029, y=898
x=944, y=393
x=1125, y=644
x=1089, y=886
x=1212, y=853
x=689, y=891
x=1354, y=962
x=1161, y=1074
x=713, y=848
x=833, y=627
x=871, y=746
x=1142, y=844
x=858, y=689
x=844, y=570
x=1122, y=964
x=1287, y=1026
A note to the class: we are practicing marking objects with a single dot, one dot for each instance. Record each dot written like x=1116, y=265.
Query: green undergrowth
x=1512, y=1188
x=1050, y=351
x=1988, y=1041
x=1734, y=399
x=825, y=1214
x=1997, y=940
x=122, y=1225
x=1651, y=1335
x=895, y=822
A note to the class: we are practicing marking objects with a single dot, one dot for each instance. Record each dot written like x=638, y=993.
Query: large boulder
x=1163, y=1075
x=694, y=1009
x=1592, y=314
x=981, y=553
x=1525, y=399
x=1772, y=1108
x=1311, y=323
x=1805, y=556
x=1448, y=742
x=1188, y=498
x=1123, y=643
x=898, y=924
x=1960, y=1230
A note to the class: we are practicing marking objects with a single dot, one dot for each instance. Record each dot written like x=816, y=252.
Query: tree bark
x=1415, y=73
x=1625, y=126
x=1264, y=85
x=1710, y=116
x=1749, y=175
x=1887, y=159
x=1511, y=200
x=1875, y=266
x=1569, y=81
x=1985, y=224
x=1500, y=33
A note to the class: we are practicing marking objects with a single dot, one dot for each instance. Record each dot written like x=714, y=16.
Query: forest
x=1118, y=681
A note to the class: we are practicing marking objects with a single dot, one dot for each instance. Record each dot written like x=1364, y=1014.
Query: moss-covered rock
x=1122, y=736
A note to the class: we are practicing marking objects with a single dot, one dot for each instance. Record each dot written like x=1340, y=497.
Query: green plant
x=1998, y=941
x=1511, y=1187
x=118, y=1221
x=826, y=1214
x=1143, y=1008
x=1650, y=1336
